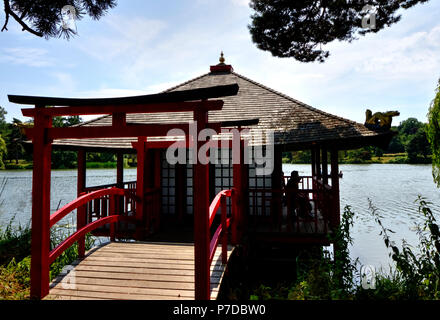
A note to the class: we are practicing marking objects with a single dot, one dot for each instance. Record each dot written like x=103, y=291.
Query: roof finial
x=222, y=58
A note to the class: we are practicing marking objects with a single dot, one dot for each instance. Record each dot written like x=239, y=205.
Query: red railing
x=112, y=218
x=279, y=209
x=99, y=207
x=221, y=234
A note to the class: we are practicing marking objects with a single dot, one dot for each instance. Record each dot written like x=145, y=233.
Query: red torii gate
x=43, y=134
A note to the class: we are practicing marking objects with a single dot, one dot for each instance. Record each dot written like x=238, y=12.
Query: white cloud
x=32, y=57
x=240, y=2
x=121, y=36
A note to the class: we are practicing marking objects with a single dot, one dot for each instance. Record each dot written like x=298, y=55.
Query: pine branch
x=9, y=11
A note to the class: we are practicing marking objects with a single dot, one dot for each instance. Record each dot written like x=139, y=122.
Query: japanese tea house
x=213, y=197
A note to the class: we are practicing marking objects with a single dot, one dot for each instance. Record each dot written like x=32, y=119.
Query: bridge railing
x=112, y=218
x=308, y=208
x=221, y=234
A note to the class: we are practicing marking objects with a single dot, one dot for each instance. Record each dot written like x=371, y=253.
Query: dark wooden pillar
x=120, y=169
x=277, y=183
x=240, y=196
x=318, y=163
x=81, y=212
x=313, y=157
x=324, y=165
x=180, y=191
x=201, y=216
x=157, y=185
x=40, y=207
x=335, y=187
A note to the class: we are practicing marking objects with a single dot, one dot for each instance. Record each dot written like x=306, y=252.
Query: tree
x=44, y=18
x=3, y=152
x=433, y=134
x=15, y=141
x=418, y=144
x=3, y=123
x=62, y=159
x=299, y=29
x=410, y=126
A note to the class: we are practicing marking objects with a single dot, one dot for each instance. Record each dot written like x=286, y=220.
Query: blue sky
x=144, y=47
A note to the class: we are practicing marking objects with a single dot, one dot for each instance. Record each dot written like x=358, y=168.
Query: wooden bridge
x=135, y=271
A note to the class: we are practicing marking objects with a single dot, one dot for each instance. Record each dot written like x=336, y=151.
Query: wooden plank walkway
x=135, y=271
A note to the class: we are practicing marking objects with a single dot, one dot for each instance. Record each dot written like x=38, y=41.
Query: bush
x=15, y=245
x=417, y=275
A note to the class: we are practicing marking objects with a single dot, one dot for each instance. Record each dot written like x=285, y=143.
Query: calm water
x=392, y=188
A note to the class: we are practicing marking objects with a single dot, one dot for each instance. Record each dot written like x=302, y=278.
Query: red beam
x=83, y=132
x=131, y=108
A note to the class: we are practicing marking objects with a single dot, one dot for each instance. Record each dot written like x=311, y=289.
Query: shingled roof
x=296, y=124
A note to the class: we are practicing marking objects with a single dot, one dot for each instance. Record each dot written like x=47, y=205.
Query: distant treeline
x=409, y=145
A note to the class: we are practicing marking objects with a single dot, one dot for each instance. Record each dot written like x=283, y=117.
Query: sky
x=142, y=47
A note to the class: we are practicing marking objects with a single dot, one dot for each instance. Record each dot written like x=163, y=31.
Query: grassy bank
x=416, y=275
x=360, y=158
x=15, y=249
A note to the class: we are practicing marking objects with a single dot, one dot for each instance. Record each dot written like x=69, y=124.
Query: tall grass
x=15, y=260
x=416, y=275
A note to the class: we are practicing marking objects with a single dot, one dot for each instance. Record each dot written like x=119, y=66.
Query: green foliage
x=15, y=242
x=15, y=245
x=303, y=156
x=411, y=138
x=3, y=152
x=301, y=29
x=433, y=134
x=417, y=273
x=70, y=254
x=14, y=139
x=43, y=18
x=319, y=275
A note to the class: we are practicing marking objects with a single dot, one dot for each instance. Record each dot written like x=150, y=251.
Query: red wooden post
x=112, y=211
x=157, y=185
x=40, y=207
x=201, y=217
x=224, y=230
x=335, y=187
x=140, y=185
x=81, y=211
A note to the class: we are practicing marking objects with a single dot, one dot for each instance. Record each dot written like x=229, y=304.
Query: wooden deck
x=135, y=271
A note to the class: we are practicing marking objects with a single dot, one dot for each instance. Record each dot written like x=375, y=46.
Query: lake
x=392, y=188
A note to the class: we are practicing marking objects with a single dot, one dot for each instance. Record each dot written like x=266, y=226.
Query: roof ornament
x=222, y=58
x=221, y=67
x=379, y=120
